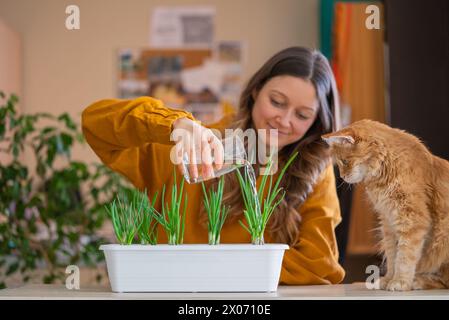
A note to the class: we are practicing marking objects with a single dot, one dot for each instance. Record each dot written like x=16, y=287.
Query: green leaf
x=47, y=130
x=15, y=150
x=65, y=117
x=51, y=151
x=67, y=140
x=12, y=268
x=14, y=99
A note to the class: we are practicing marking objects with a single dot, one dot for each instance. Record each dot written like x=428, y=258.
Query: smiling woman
x=288, y=105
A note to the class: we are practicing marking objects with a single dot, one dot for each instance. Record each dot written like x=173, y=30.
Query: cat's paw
x=426, y=282
x=418, y=285
x=399, y=285
x=383, y=282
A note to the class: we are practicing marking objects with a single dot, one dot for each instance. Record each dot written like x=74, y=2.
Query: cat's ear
x=338, y=140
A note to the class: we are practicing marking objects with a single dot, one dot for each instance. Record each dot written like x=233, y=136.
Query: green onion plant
x=126, y=215
x=148, y=227
x=170, y=218
x=257, y=210
x=215, y=211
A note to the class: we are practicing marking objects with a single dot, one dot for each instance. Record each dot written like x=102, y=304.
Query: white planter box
x=194, y=267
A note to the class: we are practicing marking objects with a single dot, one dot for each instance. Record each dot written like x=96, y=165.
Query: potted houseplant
x=178, y=267
x=51, y=216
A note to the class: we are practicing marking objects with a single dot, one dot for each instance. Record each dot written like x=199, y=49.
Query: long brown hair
x=301, y=176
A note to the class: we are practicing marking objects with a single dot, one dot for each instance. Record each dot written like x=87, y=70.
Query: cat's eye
x=344, y=162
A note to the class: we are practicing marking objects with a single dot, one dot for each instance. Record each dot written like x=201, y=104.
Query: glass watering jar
x=234, y=157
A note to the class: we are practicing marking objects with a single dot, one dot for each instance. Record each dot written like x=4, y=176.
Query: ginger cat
x=409, y=189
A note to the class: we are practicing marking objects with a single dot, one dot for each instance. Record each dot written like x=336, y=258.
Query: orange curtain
x=358, y=63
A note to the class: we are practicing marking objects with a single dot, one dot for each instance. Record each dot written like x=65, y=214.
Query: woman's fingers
x=193, y=161
x=179, y=153
x=203, y=150
x=218, y=150
x=206, y=159
x=186, y=150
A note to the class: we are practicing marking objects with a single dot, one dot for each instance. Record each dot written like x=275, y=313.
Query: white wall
x=67, y=70
x=10, y=60
x=10, y=69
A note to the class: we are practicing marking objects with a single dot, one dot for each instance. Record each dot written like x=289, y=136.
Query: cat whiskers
x=341, y=183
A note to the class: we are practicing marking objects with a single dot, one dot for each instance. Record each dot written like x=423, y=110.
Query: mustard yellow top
x=132, y=137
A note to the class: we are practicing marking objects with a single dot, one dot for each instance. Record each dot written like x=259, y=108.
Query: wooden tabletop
x=356, y=291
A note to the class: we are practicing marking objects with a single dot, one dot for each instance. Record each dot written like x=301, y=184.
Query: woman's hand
x=203, y=147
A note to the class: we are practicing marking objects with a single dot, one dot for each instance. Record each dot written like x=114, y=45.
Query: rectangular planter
x=194, y=267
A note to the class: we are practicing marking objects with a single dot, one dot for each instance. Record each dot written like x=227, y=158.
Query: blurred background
x=390, y=58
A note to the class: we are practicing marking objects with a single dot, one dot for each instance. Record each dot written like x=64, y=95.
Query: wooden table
x=356, y=291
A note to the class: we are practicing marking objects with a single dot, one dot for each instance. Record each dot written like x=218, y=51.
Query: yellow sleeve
x=123, y=133
x=314, y=260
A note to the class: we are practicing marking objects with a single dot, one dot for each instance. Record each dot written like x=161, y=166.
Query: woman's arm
x=112, y=125
x=314, y=260
x=123, y=132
